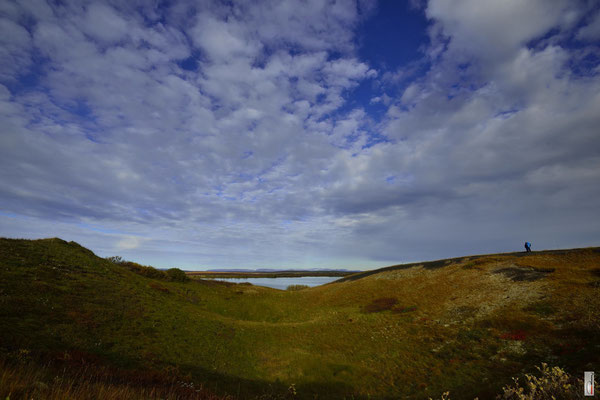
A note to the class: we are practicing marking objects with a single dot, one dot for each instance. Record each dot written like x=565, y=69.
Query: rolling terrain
x=464, y=325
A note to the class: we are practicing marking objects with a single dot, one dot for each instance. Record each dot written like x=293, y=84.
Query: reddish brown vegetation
x=381, y=304
x=401, y=310
x=514, y=335
x=158, y=287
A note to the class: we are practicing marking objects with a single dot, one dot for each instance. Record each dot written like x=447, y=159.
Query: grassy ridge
x=465, y=325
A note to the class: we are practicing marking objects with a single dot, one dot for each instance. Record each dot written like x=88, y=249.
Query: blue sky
x=305, y=134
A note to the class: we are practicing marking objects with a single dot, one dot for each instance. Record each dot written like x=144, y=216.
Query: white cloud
x=103, y=23
x=15, y=49
x=493, y=30
x=129, y=243
x=223, y=41
x=591, y=32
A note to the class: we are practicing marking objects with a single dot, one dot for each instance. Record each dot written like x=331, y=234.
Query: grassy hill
x=463, y=325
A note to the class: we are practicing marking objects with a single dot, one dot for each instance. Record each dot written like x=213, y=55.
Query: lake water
x=283, y=283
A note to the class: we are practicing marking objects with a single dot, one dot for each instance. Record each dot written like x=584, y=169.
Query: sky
x=300, y=134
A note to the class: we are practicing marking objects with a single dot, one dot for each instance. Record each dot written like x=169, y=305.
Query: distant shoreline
x=260, y=274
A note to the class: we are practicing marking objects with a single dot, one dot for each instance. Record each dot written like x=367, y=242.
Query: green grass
x=465, y=325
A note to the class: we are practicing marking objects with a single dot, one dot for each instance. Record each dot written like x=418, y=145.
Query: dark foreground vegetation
x=73, y=375
x=74, y=325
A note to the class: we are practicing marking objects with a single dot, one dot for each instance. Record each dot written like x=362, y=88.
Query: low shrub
x=177, y=275
x=148, y=272
x=553, y=384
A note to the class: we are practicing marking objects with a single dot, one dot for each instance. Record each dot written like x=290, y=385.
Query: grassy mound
x=464, y=325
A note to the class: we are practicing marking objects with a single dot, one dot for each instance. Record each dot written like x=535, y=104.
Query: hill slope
x=465, y=325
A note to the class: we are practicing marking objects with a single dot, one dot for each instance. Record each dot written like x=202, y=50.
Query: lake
x=283, y=283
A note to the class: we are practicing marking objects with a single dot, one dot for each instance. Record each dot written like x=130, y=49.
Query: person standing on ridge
x=527, y=247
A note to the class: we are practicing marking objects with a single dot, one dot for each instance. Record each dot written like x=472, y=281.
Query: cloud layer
x=230, y=135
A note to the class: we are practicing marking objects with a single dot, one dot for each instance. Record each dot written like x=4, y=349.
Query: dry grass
x=29, y=380
x=552, y=384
